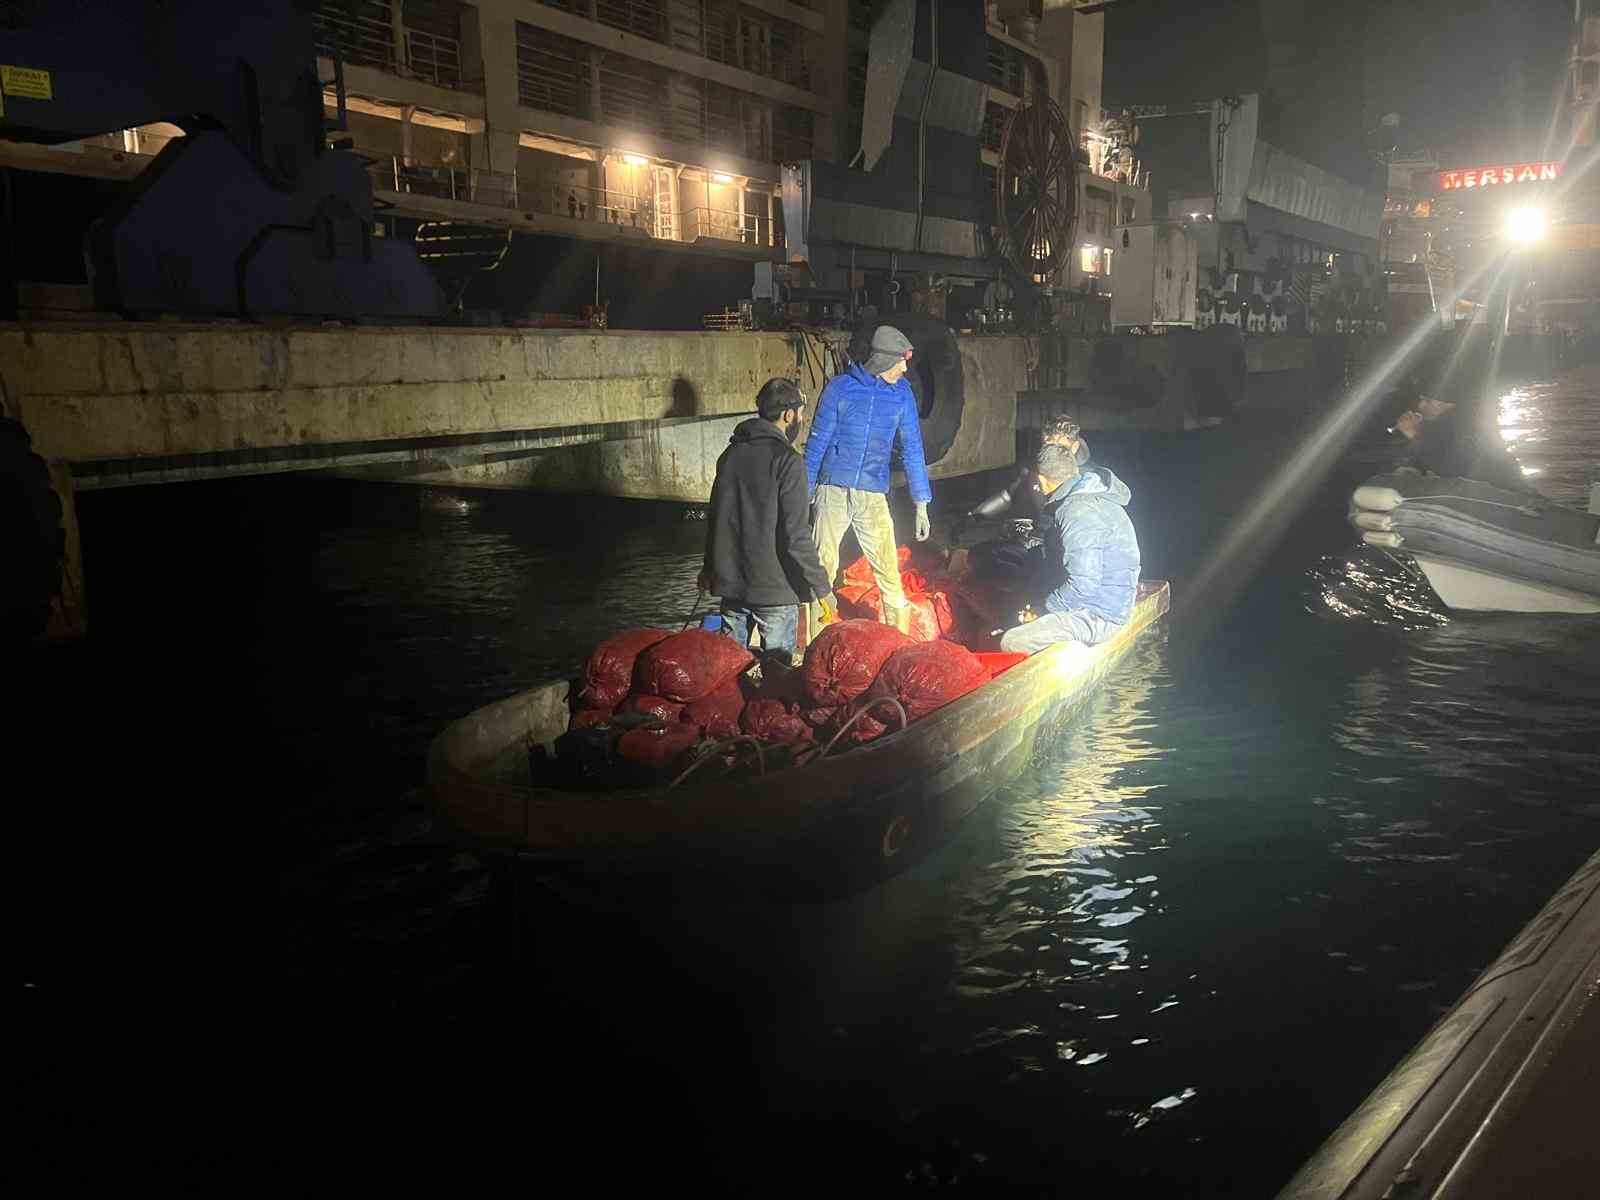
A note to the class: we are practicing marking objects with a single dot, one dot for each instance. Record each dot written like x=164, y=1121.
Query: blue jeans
x=1080, y=625
x=778, y=623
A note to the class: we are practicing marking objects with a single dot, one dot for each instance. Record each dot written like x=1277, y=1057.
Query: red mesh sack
x=718, y=713
x=860, y=587
x=997, y=662
x=868, y=727
x=937, y=614
x=689, y=665
x=608, y=674
x=652, y=706
x=820, y=718
x=771, y=721
x=932, y=617
x=587, y=717
x=844, y=660
x=860, y=571
x=852, y=593
x=924, y=677
x=657, y=748
x=859, y=602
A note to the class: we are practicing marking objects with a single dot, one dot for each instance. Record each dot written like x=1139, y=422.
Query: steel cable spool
x=1036, y=196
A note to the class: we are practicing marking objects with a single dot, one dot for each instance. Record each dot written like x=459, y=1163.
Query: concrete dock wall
x=130, y=391
x=677, y=459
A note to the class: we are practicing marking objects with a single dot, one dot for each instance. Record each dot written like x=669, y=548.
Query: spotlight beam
x=1257, y=529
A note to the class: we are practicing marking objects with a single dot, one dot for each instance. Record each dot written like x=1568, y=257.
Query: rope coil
x=715, y=753
x=856, y=716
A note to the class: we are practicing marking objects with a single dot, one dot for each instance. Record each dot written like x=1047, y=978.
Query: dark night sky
x=1471, y=78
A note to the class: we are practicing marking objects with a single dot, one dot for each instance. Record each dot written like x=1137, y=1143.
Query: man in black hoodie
x=760, y=556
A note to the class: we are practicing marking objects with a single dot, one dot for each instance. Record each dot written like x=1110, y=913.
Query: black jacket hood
x=755, y=429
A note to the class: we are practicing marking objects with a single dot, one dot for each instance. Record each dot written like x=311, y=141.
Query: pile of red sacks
x=694, y=686
x=940, y=608
x=854, y=663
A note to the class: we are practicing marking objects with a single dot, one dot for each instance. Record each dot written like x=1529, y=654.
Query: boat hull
x=1472, y=590
x=836, y=822
x=1492, y=1101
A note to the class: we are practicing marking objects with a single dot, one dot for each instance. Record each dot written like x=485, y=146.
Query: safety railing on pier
x=728, y=226
x=476, y=186
x=604, y=206
x=607, y=206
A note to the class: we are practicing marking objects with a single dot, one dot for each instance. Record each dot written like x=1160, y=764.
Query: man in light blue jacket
x=860, y=416
x=1091, y=556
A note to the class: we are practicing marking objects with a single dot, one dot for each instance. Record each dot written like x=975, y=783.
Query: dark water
x=1173, y=954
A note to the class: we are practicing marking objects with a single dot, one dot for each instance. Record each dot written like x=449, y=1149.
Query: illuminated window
x=1089, y=260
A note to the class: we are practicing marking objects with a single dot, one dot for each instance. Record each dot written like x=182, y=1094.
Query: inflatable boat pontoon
x=1481, y=547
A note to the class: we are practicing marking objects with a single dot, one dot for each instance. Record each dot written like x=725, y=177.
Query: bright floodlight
x=1525, y=225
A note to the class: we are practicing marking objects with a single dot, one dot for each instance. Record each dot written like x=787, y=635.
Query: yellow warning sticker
x=29, y=82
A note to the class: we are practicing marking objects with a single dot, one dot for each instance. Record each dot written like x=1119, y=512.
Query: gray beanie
x=1058, y=463
x=889, y=346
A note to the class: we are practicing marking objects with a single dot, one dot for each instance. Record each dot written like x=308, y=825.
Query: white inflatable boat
x=1482, y=548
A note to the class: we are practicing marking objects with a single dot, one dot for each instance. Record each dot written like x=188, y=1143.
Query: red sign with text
x=1492, y=176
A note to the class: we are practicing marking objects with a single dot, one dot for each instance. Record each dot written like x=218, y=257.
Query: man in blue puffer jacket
x=860, y=415
x=1091, y=552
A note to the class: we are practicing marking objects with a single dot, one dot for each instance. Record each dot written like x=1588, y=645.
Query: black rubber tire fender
x=1146, y=388
x=1213, y=371
x=1110, y=364
x=33, y=541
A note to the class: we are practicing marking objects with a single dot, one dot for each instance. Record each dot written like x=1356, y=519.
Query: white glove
x=923, y=527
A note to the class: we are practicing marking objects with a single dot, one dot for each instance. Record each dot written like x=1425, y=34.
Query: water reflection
x=1508, y=702
x=1048, y=920
x=1553, y=427
x=1372, y=585
x=1519, y=415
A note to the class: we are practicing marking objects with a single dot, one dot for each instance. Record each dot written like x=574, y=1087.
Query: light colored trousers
x=840, y=509
x=1080, y=625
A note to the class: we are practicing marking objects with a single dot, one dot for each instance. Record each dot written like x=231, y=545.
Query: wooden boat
x=828, y=822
